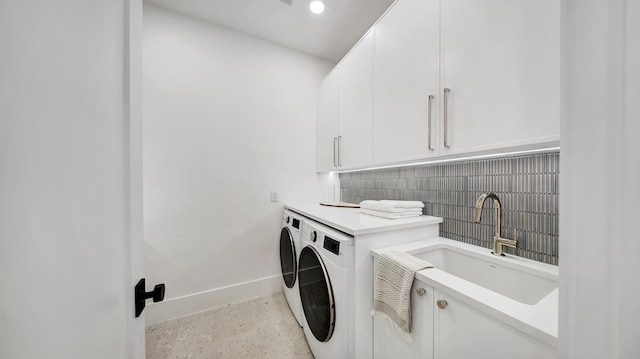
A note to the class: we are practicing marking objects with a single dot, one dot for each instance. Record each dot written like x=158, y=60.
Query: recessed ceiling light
x=316, y=7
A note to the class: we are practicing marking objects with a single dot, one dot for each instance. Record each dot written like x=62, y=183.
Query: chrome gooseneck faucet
x=498, y=241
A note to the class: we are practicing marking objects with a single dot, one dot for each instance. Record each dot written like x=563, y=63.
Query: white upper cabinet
x=501, y=62
x=327, y=123
x=356, y=105
x=406, y=74
x=345, y=111
x=448, y=77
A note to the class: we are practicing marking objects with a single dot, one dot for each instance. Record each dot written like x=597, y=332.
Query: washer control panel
x=331, y=245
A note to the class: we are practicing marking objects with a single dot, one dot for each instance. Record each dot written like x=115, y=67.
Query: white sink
x=521, y=283
x=519, y=292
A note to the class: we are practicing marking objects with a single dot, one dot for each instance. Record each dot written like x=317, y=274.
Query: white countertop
x=351, y=221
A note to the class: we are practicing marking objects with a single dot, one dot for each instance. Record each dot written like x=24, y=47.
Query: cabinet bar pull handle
x=446, y=106
x=334, y=151
x=431, y=97
x=339, y=164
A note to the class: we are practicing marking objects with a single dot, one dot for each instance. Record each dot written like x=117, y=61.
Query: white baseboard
x=198, y=302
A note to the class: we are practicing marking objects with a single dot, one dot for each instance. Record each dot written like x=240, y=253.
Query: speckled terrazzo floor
x=263, y=327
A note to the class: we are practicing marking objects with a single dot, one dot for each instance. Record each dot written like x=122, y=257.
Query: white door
x=406, y=75
x=355, y=105
x=501, y=62
x=389, y=342
x=70, y=179
x=462, y=331
x=327, y=123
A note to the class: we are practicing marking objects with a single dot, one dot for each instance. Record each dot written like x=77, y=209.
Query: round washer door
x=288, y=261
x=316, y=294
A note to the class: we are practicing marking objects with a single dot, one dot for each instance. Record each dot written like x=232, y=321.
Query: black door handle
x=141, y=295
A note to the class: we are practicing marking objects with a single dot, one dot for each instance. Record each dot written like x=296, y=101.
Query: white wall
x=599, y=266
x=66, y=205
x=227, y=119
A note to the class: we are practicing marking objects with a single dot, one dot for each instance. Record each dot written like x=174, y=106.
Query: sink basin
x=518, y=292
x=513, y=277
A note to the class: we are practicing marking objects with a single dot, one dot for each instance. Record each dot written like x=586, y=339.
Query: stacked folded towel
x=392, y=209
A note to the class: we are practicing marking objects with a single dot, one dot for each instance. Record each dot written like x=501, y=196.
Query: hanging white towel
x=391, y=215
x=392, y=291
x=392, y=206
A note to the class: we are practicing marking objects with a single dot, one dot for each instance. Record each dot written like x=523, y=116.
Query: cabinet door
x=406, y=72
x=462, y=331
x=327, y=123
x=388, y=342
x=356, y=105
x=501, y=60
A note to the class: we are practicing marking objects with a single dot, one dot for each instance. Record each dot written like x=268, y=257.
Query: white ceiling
x=328, y=36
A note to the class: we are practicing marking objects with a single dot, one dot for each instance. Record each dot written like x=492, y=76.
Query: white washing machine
x=325, y=274
x=290, y=247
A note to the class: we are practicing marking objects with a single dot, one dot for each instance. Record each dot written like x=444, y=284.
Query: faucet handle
x=511, y=242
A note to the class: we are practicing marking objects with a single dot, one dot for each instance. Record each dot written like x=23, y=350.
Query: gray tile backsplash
x=526, y=185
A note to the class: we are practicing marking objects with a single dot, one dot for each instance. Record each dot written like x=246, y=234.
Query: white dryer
x=290, y=247
x=325, y=274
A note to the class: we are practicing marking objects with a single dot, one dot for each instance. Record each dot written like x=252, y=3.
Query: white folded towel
x=391, y=206
x=392, y=291
x=404, y=204
x=390, y=215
